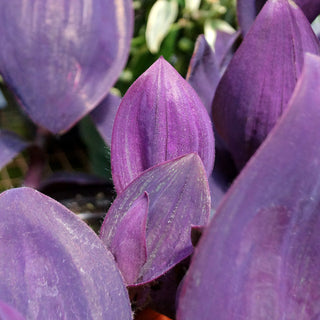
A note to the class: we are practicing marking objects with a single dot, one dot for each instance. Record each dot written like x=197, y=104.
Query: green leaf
x=162, y=14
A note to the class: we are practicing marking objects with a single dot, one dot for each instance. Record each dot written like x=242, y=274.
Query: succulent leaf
x=247, y=10
x=259, y=258
x=62, y=57
x=52, y=265
x=179, y=197
x=159, y=118
x=261, y=77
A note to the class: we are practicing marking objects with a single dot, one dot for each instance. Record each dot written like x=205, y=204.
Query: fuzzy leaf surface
x=160, y=118
x=52, y=265
x=179, y=197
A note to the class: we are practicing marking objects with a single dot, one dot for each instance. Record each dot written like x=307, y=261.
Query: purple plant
x=248, y=9
x=52, y=265
x=160, y=118
x=260, y=79
x=62, y=58
x=259, y=255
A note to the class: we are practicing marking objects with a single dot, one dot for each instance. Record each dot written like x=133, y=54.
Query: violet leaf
x=129, y=243
x=179, y=197
x=224, y=47
x=260, y=78
x=9, y=313
x=61, y=58
x=52, y=265
x=10, y=145
x=259, y=258
x=103, y=116
x=247, y=10
x=160, y=118
x=204, y=73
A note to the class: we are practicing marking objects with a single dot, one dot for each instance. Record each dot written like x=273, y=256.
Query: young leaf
x=260, y=78
x=248, y=9
x=62, y=57
x=52, y=265
x=129, y=246
x=10, y=145
x=204, y=73
x=260, y=256
x=160, y=118
x=179, y=197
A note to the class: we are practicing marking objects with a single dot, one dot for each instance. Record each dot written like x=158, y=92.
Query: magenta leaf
x=103, y=116
x=259, y=258
x=62, y=57
x=160, y=118
x=248, y=9
x=179, y=197
x=260, y=78
x=9, y=313
x=10, y=145
x=52, y=265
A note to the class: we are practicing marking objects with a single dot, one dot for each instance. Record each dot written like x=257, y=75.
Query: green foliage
x=178, y=43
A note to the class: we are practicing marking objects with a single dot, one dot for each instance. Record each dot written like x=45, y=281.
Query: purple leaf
x=103, y=116
x=248, y=9
x=129, y=246
x=10, y=145
x=9, y=313
x=260, y=256
x=61, y=58
x=160, y=118
x=179, y=197
x=260, y=79
x=52, y=265
x=223, y=47
x=204, y=74
x=206, y=67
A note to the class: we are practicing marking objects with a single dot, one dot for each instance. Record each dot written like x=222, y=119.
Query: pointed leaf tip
x=260, y=255
x=160, y=118
x=247, y=10
x=179, y=197
x=260, y=79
